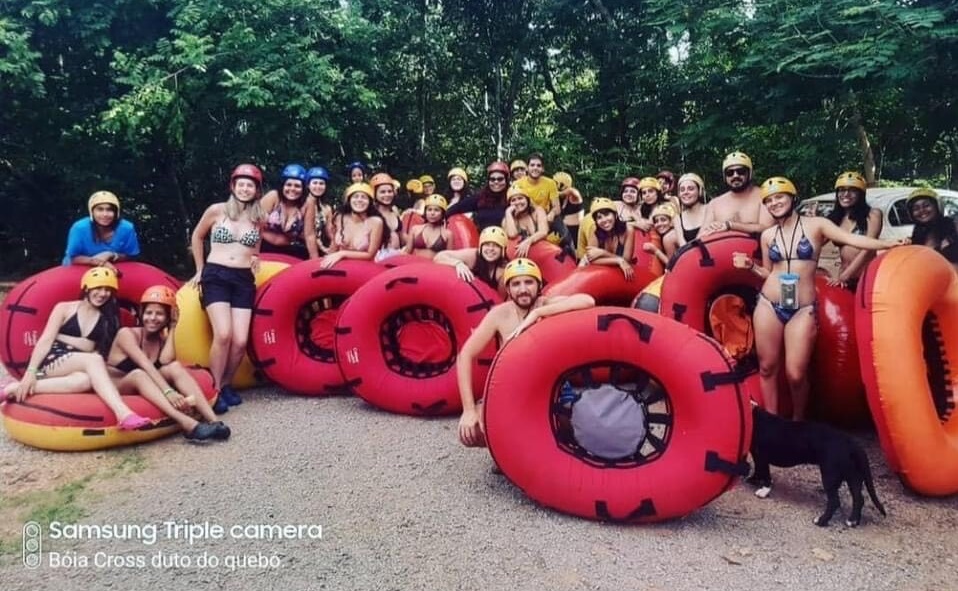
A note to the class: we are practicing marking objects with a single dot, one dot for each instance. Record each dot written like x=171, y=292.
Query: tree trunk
x=868, y=155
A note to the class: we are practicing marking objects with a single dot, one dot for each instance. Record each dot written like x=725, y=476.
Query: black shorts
x=219, y=283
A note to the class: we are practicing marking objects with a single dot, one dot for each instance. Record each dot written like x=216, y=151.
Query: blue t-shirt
x=80, y=241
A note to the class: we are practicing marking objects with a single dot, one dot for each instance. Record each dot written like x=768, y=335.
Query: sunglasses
x=497, y=179
x=730, y=172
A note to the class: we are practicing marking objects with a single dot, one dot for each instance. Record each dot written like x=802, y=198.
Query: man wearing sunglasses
x=739, y=208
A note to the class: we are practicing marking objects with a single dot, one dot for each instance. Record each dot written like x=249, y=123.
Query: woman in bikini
x=785, y=316
x=69, y=353
x=628, y=205
x=143, y=360
x=932, y=227
x=692, y=203
x=853, y=214
x=611, y=241
x=358, y=229
x=288, y=214
x=432, y=237
x=384, y=192
x=226, y=277
x=487, y=262
x=524, y=221
x=317, y=240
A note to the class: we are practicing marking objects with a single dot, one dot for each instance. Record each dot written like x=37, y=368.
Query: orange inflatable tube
x=906, y=316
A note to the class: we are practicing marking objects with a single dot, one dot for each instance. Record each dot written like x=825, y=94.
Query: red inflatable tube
x=82, y=422
x=291, y=336
x=398, y=336
x=838, y=392
x=604, y=283
x=28, y=305
x=400, y=260
x=698, y=416
x=698, y=277
x=278, y=257
x=555, y=263
x=646, y=264
x=464, y=232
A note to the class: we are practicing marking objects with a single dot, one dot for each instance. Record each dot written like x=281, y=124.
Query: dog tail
x=861, y=458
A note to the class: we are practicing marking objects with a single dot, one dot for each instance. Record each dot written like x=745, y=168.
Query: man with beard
x=739, y=208
x=525, y=307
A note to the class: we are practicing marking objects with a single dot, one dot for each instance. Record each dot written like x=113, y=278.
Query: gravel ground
x=403, y=506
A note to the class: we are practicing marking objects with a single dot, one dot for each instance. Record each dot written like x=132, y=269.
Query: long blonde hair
x=235, y=208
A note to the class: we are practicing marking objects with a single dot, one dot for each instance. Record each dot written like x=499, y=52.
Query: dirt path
x=403, y=506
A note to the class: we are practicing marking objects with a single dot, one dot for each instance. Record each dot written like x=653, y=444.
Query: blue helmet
x=294, y=171
x=317, y=172
x=357, y=164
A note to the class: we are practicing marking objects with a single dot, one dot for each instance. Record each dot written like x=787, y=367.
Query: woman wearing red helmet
x=225, y=277
x=69, y=353
x=143, y=360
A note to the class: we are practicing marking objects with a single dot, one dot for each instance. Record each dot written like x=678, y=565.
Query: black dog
x=840, y=458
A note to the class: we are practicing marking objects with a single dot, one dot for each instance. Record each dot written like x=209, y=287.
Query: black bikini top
x=71, y=328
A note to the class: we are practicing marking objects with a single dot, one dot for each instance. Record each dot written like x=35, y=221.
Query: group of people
x=83, y=347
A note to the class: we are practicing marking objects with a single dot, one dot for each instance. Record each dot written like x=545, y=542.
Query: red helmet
x=498, y=166
x=629, y=181
x=250, y=171
x=159, y=294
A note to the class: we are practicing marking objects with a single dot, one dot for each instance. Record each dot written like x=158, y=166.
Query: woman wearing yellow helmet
x=932, y=228
x=691, y=198
x=458, y=185
x=358, y=228
x=853, y=214
x=69, y=354
x=384, y=194
x=103, y=238
x=432, y=237
x=524, y=221
x=610, y=242
x=489, y=204
x=785, y=316
x=486, y=262
x=663, y=217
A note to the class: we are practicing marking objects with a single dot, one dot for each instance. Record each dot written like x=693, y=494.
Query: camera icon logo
x=32, y=544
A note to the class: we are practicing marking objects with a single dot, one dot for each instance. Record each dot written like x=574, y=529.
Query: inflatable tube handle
x=714, y=463
x=327, y=273
x=24, y=309
x=483, y=305
x=712, y=380
x=642, y=329
x=398, y=280
x=678, y=311
x=645, y=509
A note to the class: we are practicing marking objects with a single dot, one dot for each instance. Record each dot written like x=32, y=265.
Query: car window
x=951, y=207
x=898, y=214
x=816, y=208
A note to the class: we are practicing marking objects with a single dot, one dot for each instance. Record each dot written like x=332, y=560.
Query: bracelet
x=33, y=370
x=169, y=391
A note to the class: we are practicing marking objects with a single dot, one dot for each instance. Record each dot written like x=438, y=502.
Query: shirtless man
x=739, y=208
x=525, y=307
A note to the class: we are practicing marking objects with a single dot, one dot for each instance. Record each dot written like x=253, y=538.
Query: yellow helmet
x=778, y=184
x=922, y=193
x=460, y=172
x=517, y=164
x=101, y=197
x=414, y=186
x=427, y=180
x=520, y=268
x=850, y=180
x=435, y=200
x=513, y=191
x=601, y=204
x=691, y=176
x=664, y=209
x=737, y=159
x=563, y=180
x=358, y=188
x=99, y=277
x=650, y=182
x=493, y=234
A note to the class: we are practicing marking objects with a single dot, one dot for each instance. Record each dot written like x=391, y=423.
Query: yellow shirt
x=543, y=193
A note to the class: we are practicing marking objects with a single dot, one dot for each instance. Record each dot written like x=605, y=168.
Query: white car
x=892, y=203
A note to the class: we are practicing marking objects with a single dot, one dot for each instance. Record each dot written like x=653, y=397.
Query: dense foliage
x=157, y=99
